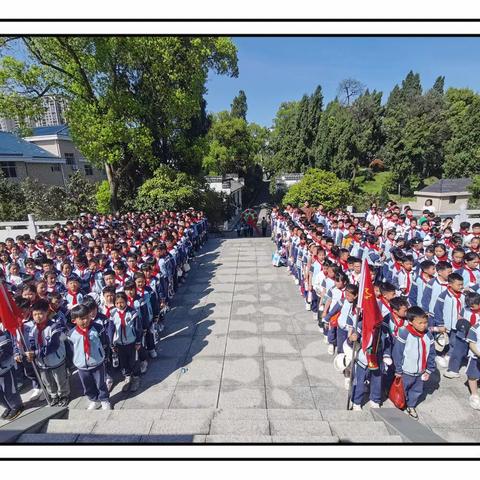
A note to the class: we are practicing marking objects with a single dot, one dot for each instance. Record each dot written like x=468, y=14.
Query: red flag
x=371, y=314
x=10, y=314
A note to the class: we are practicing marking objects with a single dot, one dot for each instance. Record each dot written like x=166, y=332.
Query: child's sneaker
x=94, y=405
x=308, y=306
x=449, y=374
x=356, y=407
x=109, y=384
x=474, y=401
x=373, y=404
x=412, y=412
x=126, y=384
x=135, y=384
x=346, y=383
x=315, y=317
x=152, y=353
x=143, y=366
x=63, y=402
x=14, y=413
x=6, y=413
x=331, y=349
x=325, y=338
x=106, y=405
x=54, y=401
x=37, y=394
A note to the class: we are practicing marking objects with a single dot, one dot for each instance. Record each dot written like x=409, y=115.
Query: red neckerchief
x=141, y=292
x=444, y=258
x=409, y=281
x=420, y=335
x=120, y=279
x=131, y=301
x=473, y=279
x=108, y=311
x=86, y=340
x=40, y=327
x=74, y=295
x=398, y=324
x=133, y=270
x=123, y=323
x=474, y=316
x=372, y=246
x=423, y=278
x=343, y=264
x=457, y=297
x=147, y=281
x=397, y=266
x=457, y=266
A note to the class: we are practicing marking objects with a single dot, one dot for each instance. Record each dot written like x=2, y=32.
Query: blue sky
x=277, y=69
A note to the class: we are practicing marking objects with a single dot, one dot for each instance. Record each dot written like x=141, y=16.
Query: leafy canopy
x=319, y=187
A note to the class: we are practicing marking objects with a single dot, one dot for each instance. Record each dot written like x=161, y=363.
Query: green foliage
x=131, y=99
x=102, y=197
x=168, y=189
x=462, y=150
x=474, y=200
x=319, y=187
x=172, y=190
x=12, y=201
x=239, y=106
x=231, y=148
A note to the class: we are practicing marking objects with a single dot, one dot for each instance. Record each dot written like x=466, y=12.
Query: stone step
x=300, y=427
x=372, y=439
x=304, y=439
x=346, y=430
x=70, y=426
x=347, y=416
x=238, y=439
x=226, y=426
x=42, y=438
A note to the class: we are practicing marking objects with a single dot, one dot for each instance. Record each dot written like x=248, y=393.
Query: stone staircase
x=213, y=426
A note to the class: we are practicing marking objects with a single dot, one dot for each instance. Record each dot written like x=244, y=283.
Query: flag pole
x=35, y=369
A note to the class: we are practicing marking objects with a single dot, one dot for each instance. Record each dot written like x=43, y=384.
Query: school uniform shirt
x=405, y=281
x=431, y=292
x=88, y=346
x=470, y=277
x=317, y=274
x=394, y=324
x=473, y=336
x=447, y=311
x=411, y=234
x=72, y=299
x=347, y=313
x=418, y=287
x=48, y=345
x=127, y=327
x=414, y=352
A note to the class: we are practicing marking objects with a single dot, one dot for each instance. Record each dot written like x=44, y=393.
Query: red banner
x=372, y=316
x=10, y=315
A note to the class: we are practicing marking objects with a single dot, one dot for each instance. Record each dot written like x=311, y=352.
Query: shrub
x=319, y=187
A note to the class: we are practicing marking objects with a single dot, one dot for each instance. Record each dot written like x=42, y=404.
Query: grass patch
x=373, y=187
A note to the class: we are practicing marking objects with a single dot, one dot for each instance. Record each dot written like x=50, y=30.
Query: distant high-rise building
x=53, y=115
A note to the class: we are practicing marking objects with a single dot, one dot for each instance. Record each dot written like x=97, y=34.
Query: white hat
x=340, y=362
x=441, y=341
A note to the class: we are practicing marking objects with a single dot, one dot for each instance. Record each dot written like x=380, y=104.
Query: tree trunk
x=113, y=182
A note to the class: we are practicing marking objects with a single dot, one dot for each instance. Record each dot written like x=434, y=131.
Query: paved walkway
x=238, y=337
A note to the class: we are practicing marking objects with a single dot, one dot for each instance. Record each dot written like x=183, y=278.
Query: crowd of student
x=426, y=279
x=93, y=296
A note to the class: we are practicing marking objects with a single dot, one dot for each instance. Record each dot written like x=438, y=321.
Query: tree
x=239, y=106
x=169, y=189
x=231, y=147
x=349, y=89
x=319, y=187
x=172, y=190
x=462, y=150
x=129, y=97
x=12, y=200
x=415, y=130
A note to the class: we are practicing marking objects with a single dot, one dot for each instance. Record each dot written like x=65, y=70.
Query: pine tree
x=239, y=106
